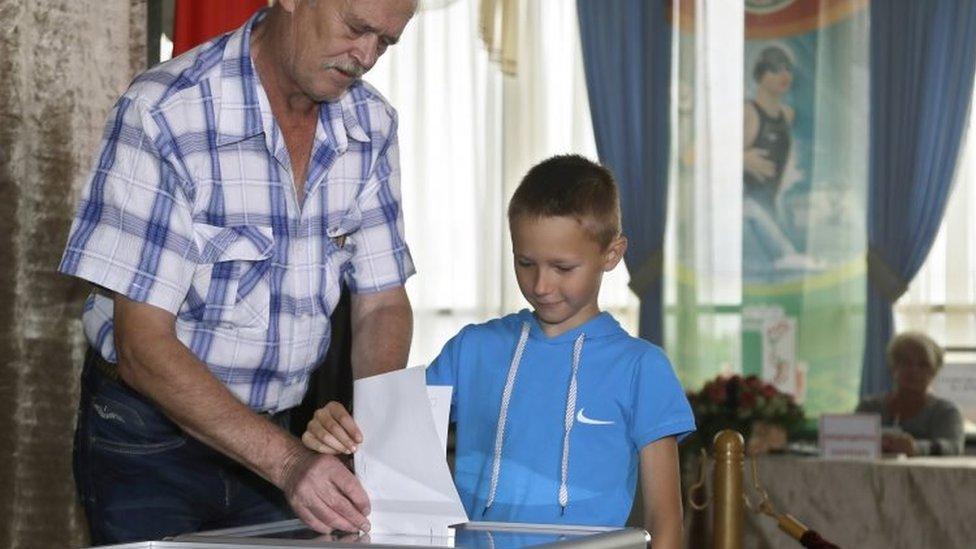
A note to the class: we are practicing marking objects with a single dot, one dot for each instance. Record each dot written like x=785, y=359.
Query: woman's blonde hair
x=915, y=342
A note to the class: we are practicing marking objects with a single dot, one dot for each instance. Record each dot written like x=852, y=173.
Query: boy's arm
x=332, y=430
x=660, y=488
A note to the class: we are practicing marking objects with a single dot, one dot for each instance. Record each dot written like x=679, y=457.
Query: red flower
x=753, y=382
x=747, y=400
x=716, y=392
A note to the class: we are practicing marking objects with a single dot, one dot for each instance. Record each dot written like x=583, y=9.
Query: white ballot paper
x=440, y=406
x=401, y=462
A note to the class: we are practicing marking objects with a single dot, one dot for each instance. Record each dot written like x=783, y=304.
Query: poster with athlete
x=804, y=181
x=766, y=271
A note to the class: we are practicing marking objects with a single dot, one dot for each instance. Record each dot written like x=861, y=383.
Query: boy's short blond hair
x=570, y=186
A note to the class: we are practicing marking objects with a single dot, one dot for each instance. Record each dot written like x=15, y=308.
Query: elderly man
x=236, y=187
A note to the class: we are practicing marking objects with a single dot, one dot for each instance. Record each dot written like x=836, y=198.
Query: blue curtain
x=627, y=55
x=922, y=65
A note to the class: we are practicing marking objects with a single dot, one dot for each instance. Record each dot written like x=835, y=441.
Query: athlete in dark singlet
x=768, y=127
x=767, y=143
x=774, y=137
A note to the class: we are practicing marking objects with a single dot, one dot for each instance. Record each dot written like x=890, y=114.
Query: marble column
x=63, y=63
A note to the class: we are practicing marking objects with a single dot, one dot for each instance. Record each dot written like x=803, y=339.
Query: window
x=941, y=300
x=467, y=135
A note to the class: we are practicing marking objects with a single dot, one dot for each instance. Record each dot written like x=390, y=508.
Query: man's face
x=559, y=266
x=336, y=41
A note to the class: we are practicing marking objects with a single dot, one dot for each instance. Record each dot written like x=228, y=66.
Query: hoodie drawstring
x=568, y=423
x=496, y=463
x=568, y=420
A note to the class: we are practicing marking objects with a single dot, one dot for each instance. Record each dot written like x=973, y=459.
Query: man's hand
x=324, y=494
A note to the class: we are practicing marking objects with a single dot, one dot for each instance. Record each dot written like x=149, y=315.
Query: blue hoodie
x=549, y=430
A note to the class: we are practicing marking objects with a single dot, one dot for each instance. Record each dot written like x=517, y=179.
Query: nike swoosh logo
x=589, y=421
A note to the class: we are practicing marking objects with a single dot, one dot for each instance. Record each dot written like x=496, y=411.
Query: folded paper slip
x=401, y=461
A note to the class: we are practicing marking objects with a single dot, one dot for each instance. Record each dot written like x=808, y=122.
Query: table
x=473, y=535
x=888, y=503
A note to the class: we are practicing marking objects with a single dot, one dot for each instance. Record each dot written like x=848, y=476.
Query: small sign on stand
x=850, y=436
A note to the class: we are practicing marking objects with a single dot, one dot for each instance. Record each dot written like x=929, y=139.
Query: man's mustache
x=353, y=69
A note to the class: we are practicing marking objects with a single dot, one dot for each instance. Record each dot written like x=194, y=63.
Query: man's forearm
x=159, y=366
x=381, y=333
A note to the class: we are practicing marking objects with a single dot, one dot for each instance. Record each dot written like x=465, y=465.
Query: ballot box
x=472, y=535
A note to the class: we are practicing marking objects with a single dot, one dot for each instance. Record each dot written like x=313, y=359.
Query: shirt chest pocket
x=231, y=284
x=339, y=246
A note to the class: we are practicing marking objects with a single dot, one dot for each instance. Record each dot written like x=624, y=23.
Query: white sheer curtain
x=941, y=300
x=467, y=135
x=704, y=240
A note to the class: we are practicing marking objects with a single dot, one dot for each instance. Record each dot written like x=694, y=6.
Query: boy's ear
x=615, y=252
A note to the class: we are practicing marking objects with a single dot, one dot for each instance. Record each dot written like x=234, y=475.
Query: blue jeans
x=140, y=477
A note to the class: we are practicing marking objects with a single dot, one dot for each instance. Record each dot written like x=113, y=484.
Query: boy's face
x=559, y=266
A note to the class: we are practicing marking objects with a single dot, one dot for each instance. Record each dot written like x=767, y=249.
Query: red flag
x=196, y=21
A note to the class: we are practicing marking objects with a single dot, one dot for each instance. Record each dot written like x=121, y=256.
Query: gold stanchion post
x=727, y=515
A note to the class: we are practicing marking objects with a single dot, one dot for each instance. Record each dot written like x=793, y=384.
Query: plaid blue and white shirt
x=191, y=207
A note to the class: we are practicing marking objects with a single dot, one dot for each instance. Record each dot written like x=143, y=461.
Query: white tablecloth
x=890, y=503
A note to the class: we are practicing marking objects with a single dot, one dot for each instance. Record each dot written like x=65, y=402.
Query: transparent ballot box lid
x=472, y=535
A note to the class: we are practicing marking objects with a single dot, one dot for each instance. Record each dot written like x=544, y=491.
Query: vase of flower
x=765, y=437
x=754, y=408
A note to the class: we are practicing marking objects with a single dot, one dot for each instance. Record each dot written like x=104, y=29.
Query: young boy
x=556, y=408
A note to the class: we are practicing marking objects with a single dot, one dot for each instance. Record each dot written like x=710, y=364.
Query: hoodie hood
x=602, y=325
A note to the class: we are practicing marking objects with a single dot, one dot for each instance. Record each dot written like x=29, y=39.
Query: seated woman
x=925, y=424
